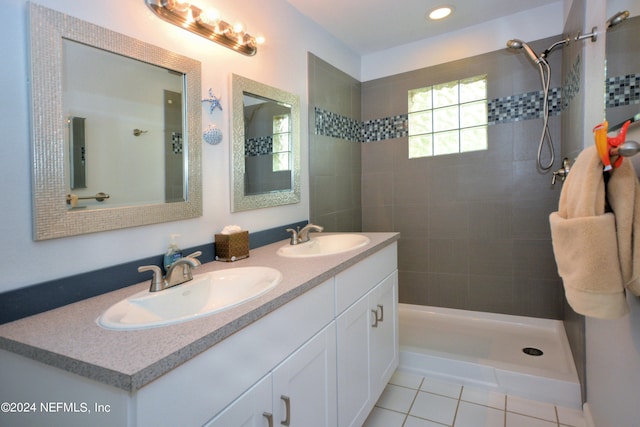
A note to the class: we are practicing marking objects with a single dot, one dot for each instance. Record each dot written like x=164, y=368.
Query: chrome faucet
x=302, y=236
x=179, y=272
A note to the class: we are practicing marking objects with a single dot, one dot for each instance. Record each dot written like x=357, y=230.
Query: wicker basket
x=232, y=247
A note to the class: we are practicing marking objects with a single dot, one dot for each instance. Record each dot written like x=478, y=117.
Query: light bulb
x=177, y=5
x=440, y=12
x=209, y=17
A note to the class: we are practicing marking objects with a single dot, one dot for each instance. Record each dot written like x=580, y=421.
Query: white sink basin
x=322, y=245
x=204, y=295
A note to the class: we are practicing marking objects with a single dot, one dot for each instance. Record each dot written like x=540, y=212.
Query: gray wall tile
x=486, y=213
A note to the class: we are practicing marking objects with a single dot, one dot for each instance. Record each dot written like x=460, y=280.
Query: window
x=281, y=143
x=448, y=118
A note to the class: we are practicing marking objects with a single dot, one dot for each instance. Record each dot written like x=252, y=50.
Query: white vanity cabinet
x=304, y=385
x=385, y=351
x=320, y=360
x=252, y=409
x=298, y=392
x=335, y=378
x=367, y=344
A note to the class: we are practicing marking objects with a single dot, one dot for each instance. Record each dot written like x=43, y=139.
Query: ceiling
x=372, y=25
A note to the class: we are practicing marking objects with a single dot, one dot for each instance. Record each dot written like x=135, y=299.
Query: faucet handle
x=157, y=281
x=294, y=235
x=194, y=255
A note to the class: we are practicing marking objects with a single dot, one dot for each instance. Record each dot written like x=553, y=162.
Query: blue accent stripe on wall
x=41, y=297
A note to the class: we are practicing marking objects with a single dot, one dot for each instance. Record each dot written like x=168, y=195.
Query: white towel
x=585, y=242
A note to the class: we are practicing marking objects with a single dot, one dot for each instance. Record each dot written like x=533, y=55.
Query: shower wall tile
x=377, y=189
x=492, y=294
x=485, y=213
x=374, y=96
x=531, y=218
x=323, y=196
x=534, y=259
x=491, y=219
x=526, y=139
x=329, y=220
x=411, y=220
x=448, y=290
x=347, y=220
x=491, y=257
x=335, y=162
x=410, y=186
x=539, y=297
x=495, y=65
x=622, y=38
x=321, y=155
x=485, y=181
x=448, y=256
x=530, y=183
x=334, y=90
x=413, y=254
x=449, y=220
x=443, y=182
x=411, y=289
x=378, y=156
x=377, y=218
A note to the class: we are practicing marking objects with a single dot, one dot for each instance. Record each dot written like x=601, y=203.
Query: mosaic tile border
x=622, y=90
x=525, y=106
x=386, y=128
x=258, y=146
x=335, y=125
x=571, y=86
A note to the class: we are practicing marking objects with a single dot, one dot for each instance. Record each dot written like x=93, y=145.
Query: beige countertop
x=70, y=339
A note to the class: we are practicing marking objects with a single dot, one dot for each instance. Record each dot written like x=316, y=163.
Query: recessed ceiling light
x=440, y=12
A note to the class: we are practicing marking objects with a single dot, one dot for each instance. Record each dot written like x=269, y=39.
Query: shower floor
x=486, y=349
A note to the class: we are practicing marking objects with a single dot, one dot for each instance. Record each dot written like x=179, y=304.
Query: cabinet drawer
x=359, y=279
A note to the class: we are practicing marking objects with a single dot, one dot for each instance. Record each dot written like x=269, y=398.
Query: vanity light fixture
x=207, y=24
x=440, y=12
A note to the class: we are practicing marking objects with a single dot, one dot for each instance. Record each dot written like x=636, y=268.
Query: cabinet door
x=252, y=409
x=384, y=337
x=354, y=363
x=304, y=385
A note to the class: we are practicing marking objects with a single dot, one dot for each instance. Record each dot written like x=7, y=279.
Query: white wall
x=613, y=346
x=534, y=24
x=282, y=63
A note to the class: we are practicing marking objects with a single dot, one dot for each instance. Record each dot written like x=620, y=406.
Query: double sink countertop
x=69, y=338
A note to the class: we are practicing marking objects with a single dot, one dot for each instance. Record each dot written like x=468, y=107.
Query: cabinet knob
x=287, y=407
x=381, y=308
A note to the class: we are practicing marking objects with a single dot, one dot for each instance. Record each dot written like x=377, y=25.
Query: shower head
x=560, y=43
x=519, y=44
x=617, y=18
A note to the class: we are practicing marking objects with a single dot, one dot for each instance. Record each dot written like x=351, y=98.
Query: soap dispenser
x=173, y=254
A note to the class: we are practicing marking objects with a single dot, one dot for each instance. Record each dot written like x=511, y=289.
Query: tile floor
x=414, y=401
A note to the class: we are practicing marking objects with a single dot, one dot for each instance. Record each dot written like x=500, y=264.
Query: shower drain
x=532, y=351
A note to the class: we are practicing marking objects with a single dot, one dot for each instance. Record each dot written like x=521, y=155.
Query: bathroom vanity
x=316, y=350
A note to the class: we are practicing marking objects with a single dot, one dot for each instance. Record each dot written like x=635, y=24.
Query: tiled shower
x=474, y=226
